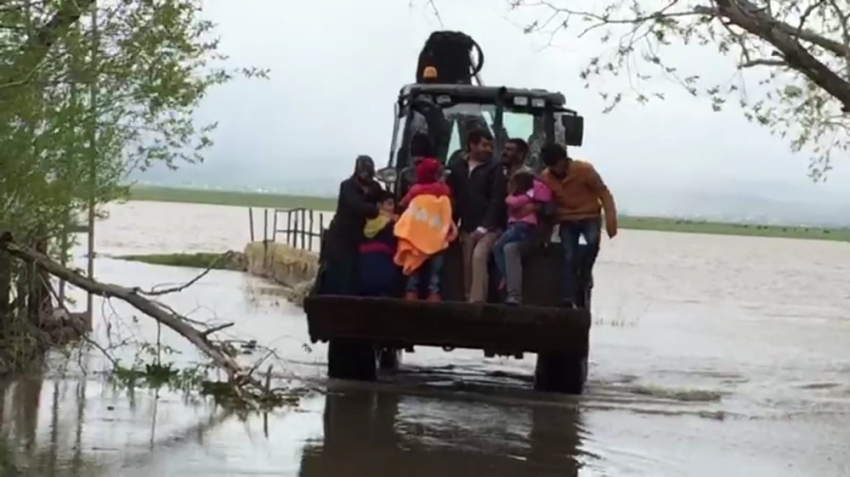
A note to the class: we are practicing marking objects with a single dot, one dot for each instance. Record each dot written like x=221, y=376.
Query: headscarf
x=364, y=165
x=427, y=171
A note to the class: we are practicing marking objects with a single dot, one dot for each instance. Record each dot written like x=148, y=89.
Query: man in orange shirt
x=580, y=196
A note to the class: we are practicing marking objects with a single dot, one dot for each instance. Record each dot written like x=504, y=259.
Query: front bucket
x=502, y=328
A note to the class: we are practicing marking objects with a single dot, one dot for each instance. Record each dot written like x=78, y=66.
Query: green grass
x=283, y=201
x=193, y=260
x=238, y=199
x=719, y=228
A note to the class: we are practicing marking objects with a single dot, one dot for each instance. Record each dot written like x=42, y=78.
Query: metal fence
x=299, y=228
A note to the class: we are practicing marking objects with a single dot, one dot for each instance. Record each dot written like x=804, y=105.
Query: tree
x=88, y=92
x=801, y=46
x=127, y=83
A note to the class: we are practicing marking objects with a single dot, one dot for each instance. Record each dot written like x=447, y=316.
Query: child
x=425, y=229
x=522, y=217
x=377, y=272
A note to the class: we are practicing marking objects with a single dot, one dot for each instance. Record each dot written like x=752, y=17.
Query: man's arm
x=350, y=196
x=498, y=192
x=453, y=183
x=597, y=185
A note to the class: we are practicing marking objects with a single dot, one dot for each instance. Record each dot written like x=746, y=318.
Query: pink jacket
x=522, y=207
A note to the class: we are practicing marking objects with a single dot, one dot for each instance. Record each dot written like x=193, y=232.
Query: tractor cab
x=446, y=113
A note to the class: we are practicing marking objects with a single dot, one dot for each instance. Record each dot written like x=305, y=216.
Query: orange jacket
x=423, y=230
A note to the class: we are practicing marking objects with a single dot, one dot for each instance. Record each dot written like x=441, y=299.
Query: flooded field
x=710, y=355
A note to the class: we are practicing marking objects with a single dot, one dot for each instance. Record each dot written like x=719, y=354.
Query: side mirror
x=573, y=129
x=387, y=175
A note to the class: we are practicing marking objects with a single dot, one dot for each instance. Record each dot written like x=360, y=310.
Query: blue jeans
x=431, y=270
x=570, y=232
x=516, y=232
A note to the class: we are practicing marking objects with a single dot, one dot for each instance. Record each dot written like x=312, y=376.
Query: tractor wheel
x=557, y=373
x=351, y=359
x=389, y=359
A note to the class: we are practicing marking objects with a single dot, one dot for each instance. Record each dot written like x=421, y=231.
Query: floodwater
x=710, y=355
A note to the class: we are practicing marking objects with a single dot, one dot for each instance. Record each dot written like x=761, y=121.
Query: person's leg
x=569, y=233
x=480, y=277
x=468, y=245
x=591, y=230
x=411, y=290
x=339, y=276
x=513, y=272
x=506, y=238
x=435, y=266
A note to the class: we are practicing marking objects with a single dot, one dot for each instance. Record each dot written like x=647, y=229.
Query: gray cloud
x=337, y=65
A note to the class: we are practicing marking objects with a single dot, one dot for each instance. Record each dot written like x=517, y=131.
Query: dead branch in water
x=221, y=258
x=237, y=377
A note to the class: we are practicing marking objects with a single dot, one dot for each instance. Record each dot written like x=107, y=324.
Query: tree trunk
x=5, y=286
x=39, y=303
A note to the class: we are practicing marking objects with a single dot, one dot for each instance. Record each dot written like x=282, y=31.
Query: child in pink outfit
x=526, y=195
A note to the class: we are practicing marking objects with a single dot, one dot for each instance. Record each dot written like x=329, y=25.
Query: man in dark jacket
x=357, y=202
x=478, y=184
x=420, y=148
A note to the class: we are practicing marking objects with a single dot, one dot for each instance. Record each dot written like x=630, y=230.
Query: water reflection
x=23, y=451
x=366, y=434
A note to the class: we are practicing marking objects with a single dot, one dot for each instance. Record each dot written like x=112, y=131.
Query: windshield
x=520, y=124
x=517, y=123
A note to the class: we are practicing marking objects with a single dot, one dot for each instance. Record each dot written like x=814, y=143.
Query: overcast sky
x=336, y=67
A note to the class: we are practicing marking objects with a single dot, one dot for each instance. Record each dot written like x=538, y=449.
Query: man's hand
x=611, y=228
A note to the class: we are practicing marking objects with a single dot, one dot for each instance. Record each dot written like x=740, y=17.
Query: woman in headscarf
x=356, y=204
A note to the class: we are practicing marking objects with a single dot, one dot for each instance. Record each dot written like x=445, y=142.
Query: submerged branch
x=238, y=379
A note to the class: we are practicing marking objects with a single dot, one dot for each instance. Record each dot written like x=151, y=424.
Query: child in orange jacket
x=429, y=182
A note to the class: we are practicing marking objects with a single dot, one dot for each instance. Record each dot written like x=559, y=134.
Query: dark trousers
x=570, y=232
x=338, y=275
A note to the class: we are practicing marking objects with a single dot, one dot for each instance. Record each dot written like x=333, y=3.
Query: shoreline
x=659, y=224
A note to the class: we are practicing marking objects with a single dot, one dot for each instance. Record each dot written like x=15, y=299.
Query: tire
x=565, y=374
x=352, y=359
x=389, y=359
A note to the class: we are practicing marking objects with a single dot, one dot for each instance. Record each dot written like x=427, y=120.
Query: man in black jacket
x=478, y=187
x=420, y=148
x=357, y=203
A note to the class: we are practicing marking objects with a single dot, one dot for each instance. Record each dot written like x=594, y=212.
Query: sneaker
x=435, y=297
x=512, y=302
x=411, y=296
x=568, y=304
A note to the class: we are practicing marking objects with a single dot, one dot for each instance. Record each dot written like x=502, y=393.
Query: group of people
x=492, y=205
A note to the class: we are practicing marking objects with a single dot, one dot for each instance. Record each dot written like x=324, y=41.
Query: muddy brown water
x=710, y=356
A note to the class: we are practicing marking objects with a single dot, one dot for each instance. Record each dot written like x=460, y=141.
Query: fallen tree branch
x=179, y=288
x=236, y=375
x=212, y=330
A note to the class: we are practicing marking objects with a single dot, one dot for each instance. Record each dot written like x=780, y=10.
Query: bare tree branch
x=802, y=48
